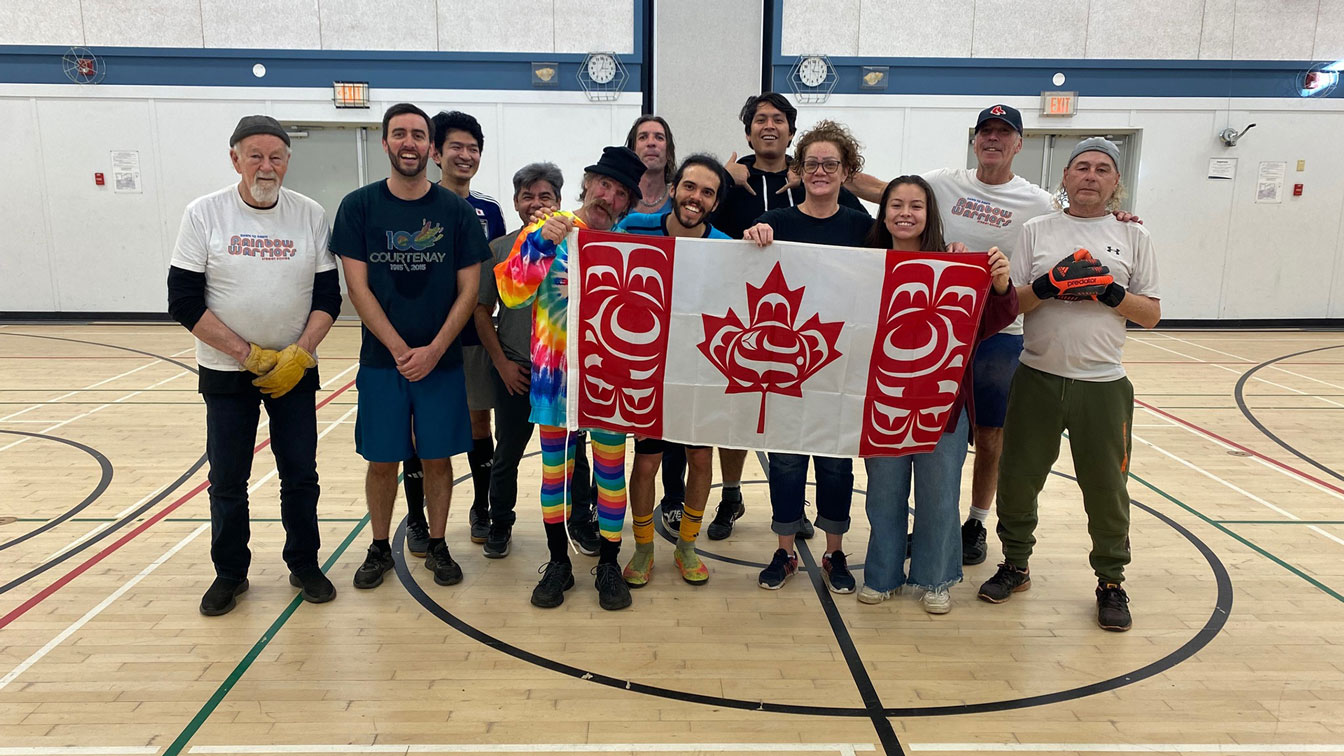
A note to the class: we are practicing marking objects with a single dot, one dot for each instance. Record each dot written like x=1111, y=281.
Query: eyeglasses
x=827, y=166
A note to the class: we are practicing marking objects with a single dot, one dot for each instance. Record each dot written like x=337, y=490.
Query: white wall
x=71, y=246
x=1221, y=255
x=1165, y=29
x=562, y=26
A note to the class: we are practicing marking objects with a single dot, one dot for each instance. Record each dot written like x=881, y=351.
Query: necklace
x=656, y=201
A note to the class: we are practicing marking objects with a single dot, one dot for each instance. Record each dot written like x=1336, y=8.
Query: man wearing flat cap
x=252, y=279
x=536, y=274
x=1080, y=274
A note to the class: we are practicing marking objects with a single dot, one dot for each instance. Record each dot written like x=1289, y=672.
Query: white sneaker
x=937, y=602
x=874, y=596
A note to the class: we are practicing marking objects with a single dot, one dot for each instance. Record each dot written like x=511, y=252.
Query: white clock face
x=601, y=69
x=812, y=72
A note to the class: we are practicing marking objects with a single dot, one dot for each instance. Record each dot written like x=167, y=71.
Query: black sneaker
x=497, y=541
x=220, y=597
x=1007, y=581
x=973, y=542
x=583, y=532
x=480, y=524
x=556, y=578
x=672, y=514
x=1113, y=608
x=314, y=586
x=440, y=562
x=807, y=531
x=838, y=577
x=370, y=574
x=781, y=568
x=612, y=592
x=417, y=538
x=728, y=513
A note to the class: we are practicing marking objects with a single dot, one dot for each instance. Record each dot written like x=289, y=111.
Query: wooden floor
x=1237, y=588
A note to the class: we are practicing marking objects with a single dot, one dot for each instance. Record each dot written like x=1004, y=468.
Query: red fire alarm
x=1297, y=190
x=98, y=179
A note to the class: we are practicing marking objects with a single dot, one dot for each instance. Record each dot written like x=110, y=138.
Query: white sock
x=979, y=514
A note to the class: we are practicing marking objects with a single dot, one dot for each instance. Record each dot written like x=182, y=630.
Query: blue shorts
x=398, y=419
x=995, y=363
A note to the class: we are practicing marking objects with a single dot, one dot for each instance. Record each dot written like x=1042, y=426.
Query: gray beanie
x=1097, y=144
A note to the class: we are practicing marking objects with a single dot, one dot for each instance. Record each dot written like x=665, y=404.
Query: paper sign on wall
x=1269, y=184
x=1222, y=168
x=126, y=172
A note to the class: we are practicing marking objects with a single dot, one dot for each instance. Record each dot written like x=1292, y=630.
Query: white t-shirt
x=1082, y=340
x=982, y=215
x=258, y=265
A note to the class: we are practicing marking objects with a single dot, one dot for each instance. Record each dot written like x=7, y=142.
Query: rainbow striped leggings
x=557, y=477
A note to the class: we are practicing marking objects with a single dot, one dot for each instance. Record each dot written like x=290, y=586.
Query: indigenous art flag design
x=795, y=347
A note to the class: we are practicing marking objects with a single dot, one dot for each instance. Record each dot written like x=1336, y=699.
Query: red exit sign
x=1059, y=103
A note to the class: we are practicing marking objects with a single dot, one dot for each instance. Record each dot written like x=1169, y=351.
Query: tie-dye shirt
x=536, y=273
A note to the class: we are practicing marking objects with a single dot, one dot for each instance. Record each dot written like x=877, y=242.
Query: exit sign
x=1059, y=103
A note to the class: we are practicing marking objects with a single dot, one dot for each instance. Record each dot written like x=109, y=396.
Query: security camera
x=1230, y=135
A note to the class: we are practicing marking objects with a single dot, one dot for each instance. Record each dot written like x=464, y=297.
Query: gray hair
x=534, y=172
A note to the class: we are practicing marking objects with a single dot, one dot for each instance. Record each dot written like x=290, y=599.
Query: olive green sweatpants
x=1098, y=417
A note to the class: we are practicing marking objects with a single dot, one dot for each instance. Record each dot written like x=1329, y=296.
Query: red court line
x=43, y=594
x=1236, y=445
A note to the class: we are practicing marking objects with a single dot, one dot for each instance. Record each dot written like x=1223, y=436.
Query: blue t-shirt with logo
x=489, y=214
x=413, y=249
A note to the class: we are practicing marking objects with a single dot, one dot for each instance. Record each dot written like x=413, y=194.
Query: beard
x=682, y=215
x=264, y=193
x=408, y=173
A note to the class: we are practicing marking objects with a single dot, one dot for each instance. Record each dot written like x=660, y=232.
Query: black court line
x=114, y=527
x=1240, y=395
x=104, y=479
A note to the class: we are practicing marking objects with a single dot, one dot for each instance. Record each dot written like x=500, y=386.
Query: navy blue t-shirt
x=847, y=228
x=413, y=250
x=489, y=214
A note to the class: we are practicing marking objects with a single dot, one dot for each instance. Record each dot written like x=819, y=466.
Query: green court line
x=1244, y=541
x=1280, y=522
x=209, y=708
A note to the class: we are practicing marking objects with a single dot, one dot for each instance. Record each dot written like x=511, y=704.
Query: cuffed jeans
x=788, y=481
x=1099, y=417
x=230, y=435
x=936, y=559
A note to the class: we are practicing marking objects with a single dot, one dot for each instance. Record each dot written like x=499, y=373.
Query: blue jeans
x=788, y=481
x=936, y=558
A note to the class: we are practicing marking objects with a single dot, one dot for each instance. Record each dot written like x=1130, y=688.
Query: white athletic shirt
x=982, y=215
x=1082, y=340
x=258, y=265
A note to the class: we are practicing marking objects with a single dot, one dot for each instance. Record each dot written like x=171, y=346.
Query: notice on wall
x=1222, y=168
x=1269, y=183
x=126, y=172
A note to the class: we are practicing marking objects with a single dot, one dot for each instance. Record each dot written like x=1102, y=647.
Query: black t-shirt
x=847, y=228
x=413, y=249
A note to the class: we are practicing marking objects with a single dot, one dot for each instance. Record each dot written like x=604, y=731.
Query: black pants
x=230, y=435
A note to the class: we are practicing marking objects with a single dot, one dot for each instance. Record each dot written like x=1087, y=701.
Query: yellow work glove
x=260, y=360
x=288, y=371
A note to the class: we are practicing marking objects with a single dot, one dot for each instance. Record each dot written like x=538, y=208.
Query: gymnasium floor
x=1237, y=590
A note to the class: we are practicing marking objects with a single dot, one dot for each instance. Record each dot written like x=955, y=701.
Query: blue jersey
x=655, y=224
x=489, y=213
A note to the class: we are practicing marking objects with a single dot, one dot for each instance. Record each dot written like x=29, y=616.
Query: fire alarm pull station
x=1297, y=190
x=98, y=179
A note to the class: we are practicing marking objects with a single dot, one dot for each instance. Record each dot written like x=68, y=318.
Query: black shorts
x=658, y=446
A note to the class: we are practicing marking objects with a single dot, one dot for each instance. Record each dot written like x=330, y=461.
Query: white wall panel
x=1144, y=29
x=41, y=22
x=588, y=25
x=916, y=28
x=820, y=26
x=142, y=23
x=1215, y=36
x=25, y=247
x=572, y=141
x=513, y=25
x=1015, y=29
x=1274, y=29
x=385, y=25
x=270, y=24
x=1330, y=31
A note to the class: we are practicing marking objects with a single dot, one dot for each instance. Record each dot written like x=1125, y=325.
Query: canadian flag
x=794, y=347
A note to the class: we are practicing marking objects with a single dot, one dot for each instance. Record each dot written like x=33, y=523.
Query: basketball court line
x=1258, y=378
x=842, y=748
x=1256, y=748
x=97, y=384
x=1253, y=362
x=83, y=415
x=95, y=611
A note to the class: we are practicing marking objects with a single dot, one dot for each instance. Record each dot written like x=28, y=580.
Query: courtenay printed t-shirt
x=413, y=249
x=258, y=265
x=1083, y=340
x=982, y=215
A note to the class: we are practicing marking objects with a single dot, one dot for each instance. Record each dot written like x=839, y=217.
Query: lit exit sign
x=1059, y=103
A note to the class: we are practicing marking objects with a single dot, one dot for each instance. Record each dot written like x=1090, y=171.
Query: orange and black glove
x=1112, y=296
x=260, y=360
x=1078, y=276
x=287, y=373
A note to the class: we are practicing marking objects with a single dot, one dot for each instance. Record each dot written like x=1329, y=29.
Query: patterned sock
x=643, y=527
x=479, y=459
x=690, y=522
x=556, y=461
x=609, y=469
x=413, y=483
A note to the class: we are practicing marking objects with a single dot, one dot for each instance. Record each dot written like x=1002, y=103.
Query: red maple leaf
x=770, y=355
